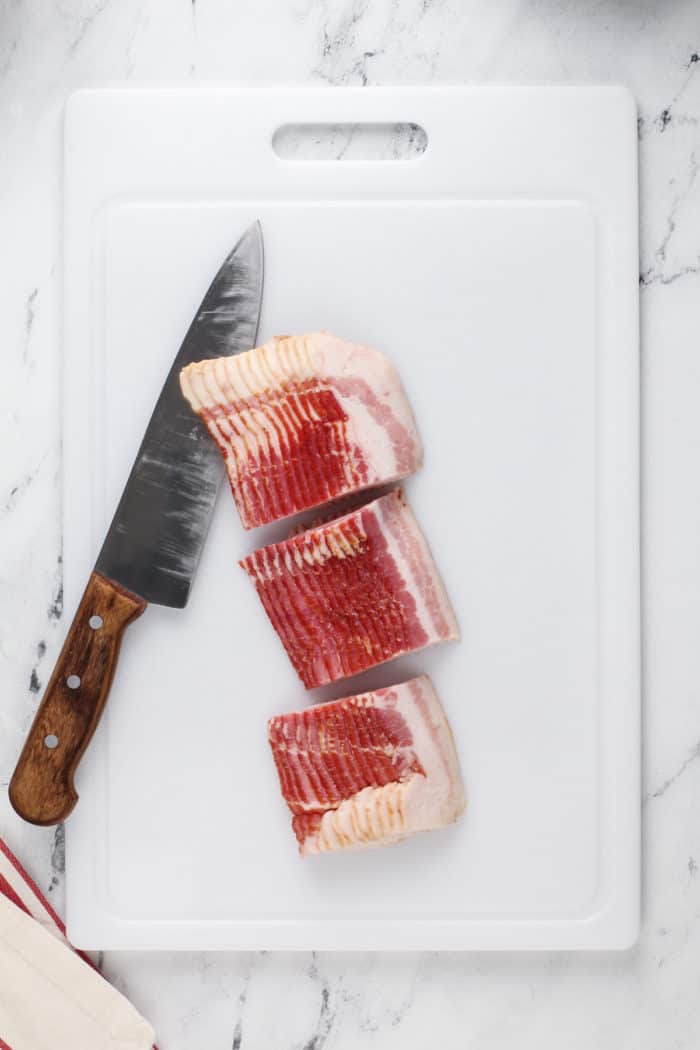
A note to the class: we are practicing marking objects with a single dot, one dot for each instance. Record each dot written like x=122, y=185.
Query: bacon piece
x=303, y=420
x=368, y=770
x=353, y=592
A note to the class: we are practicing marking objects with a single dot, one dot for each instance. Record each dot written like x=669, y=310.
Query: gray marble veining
x=643, y=999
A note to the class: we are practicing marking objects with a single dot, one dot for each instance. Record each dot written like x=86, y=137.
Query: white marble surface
x=644, y=999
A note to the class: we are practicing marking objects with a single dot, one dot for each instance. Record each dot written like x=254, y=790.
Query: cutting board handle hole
x=353, y=142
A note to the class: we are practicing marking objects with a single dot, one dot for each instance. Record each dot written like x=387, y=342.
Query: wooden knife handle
x=41, y=789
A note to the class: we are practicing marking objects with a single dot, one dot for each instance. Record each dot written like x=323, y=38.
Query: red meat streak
x=344, y=615
x=419, y=566
x=329, y=753
x=313, y=464
x=403, y=440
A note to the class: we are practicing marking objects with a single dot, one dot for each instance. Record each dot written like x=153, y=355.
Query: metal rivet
x=51, y=741
x=73, y=681
x=95, y=622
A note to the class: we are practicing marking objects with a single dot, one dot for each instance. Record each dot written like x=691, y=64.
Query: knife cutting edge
x=152, y=548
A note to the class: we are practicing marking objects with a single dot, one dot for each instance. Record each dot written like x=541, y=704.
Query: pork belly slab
x=303, y=420
x=354, y=592
x=368, y=770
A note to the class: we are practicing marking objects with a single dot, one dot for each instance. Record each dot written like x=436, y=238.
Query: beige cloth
x=50, y=999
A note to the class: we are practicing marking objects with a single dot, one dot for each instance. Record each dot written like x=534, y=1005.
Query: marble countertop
x=644, y=999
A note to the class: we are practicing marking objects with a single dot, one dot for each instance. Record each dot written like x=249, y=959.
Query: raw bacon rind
x=368, y=770
x=303, y=420
x=354, y=592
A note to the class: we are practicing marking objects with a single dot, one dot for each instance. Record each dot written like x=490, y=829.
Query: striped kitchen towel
x=52, y=995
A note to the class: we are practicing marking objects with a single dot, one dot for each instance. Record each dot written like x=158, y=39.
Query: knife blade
x=152, y=549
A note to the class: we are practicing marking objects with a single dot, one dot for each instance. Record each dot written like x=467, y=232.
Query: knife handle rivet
x=72, y=681
x=95, y=622
x=51, y=741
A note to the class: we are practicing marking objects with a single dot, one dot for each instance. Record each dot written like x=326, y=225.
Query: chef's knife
x=152, y=548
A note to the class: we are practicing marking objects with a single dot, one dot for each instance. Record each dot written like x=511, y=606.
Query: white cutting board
x=499, y=272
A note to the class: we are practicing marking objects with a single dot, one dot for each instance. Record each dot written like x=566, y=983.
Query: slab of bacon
x=353, y=592
x=368, y=770
x=303, y=420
